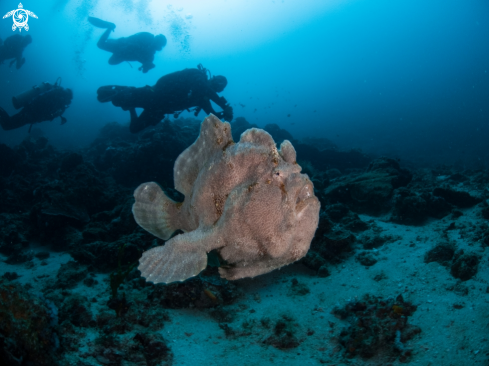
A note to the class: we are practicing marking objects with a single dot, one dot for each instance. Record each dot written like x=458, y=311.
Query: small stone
x=10, y=276
x=42, y=255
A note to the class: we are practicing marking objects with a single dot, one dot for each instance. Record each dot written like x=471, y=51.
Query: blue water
x=407, y=79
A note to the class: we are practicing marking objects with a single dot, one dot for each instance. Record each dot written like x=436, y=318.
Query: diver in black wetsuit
x=13, y=47
x=138, y=47
x=172, y=94
x=44, y=102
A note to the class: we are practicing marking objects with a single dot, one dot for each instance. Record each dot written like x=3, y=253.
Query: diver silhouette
x=12, y=48
x=138, y=47
x=43, y=102
x=172, y=94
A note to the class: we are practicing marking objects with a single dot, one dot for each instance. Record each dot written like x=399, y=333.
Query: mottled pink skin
x=247, y=200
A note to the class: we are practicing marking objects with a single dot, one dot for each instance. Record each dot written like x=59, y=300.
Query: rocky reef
x=70, y=291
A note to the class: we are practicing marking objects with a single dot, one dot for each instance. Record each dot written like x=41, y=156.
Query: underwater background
x=386, y=104
x=405, y=78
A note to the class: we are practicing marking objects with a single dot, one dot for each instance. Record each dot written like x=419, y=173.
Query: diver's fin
x=182, y=257
x=154, y=211
x=63, y=120
x=99, y=23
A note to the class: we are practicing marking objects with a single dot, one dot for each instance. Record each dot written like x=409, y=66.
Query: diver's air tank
x=26, y=97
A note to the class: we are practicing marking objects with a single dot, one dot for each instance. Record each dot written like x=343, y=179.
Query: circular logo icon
x=20, y=18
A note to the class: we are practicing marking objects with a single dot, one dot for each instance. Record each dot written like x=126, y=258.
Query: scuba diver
x=172, y=94
x=13, y=47
x=43, y=102
x=138, y=47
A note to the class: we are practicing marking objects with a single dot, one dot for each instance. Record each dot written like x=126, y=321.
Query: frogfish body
x=246, y=200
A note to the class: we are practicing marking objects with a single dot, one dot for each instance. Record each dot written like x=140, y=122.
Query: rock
x=76, y=309
x=352, y=222
x=376, y=327
x=70, y=274
x=27, y=329
x=90, y=282
x=337, y=211
x=320, y=143
x=366, y=258
x=130, y=160
x=465, y=265
x=20, y=256
x=437, y=207
x=284, y=335
x=327, y=160
x=11, y=276
x=278, y=134
x=42, y=255
x=371, y=191
x=103, y=255
x=458, y=198
x=376, y=241
x=8, y=160
x=70, y=161
x=315, y=261
x=199, y=292
x=442, y=253
x=13, y=232
x=409, y=208
x=298, y=288
x=154, y=348
x=328, y=246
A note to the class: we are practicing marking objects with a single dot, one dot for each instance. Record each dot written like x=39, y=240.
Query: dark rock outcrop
x=371, y=191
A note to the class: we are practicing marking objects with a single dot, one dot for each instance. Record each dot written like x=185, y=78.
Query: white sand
x=449, y=336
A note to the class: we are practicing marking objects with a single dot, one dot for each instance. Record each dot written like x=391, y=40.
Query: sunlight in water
x=218, y=26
